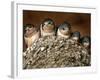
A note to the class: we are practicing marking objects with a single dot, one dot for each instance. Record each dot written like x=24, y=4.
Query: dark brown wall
x=79, y=21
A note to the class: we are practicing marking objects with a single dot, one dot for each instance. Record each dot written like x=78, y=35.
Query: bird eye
x=63, y=28
x=26, y=29
x=30, y=26
x=49, y=23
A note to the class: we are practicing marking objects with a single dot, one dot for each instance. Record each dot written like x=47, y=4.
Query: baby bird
x=64, y=30
x=76, y=36
x=86, y=41
x=31, y=34
x=47, y=27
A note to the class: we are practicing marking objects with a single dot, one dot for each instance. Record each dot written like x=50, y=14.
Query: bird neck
x=30, y=35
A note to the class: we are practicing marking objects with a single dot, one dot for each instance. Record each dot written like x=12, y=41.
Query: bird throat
x=48, y=29
x=31, y=34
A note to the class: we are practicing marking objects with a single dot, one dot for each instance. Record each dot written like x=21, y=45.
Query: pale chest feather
x=30, y=40
x=47, y=33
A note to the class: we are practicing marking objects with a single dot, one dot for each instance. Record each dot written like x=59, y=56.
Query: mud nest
x=54, y=52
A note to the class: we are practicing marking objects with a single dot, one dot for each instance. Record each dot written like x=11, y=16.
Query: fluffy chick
x=31, y=34
x=47, y=27
x=64, y=30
